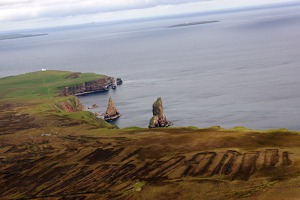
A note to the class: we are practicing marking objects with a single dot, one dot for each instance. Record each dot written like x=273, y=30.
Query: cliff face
x=72, y=104
x=159, y=119
x=87, y=87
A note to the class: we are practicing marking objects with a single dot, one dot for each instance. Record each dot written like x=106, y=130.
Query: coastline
x=54, y=148
x=19, y=36
x=193, y=23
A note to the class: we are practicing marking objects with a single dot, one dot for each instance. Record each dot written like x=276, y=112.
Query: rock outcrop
x=88, y=87
x=111, y=111
x=159, y=119
x=72, y=104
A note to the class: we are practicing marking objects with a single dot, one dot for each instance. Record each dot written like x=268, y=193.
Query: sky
x=27, y=14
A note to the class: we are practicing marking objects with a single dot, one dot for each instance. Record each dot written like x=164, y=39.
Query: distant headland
x=19, y=35
x=192, y=23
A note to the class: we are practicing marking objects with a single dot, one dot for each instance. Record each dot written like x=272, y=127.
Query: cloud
x=14, y=10
x=26, y=14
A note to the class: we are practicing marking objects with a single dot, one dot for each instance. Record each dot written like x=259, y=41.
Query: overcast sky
x=24, y=14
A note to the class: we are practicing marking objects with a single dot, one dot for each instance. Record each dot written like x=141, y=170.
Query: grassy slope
x=54, y=154
x=36, y=96
x=42, y=84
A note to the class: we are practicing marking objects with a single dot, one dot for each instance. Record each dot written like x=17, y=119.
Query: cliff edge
x=97, y=85
x=39, y=99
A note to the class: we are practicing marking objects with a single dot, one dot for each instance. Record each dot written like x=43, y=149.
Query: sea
x=241, y=70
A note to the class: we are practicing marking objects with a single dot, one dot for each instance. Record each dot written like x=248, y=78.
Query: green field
x=42, y=84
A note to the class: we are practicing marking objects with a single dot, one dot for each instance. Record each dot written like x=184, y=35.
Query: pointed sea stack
x=111, y=111
x=159, y=119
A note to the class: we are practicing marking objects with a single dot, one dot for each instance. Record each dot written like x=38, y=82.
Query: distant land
x=192, y=23
x=19, y=35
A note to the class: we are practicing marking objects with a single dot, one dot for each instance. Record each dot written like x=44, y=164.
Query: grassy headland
x=41, y=85
x=50, y=149
x=35, y=99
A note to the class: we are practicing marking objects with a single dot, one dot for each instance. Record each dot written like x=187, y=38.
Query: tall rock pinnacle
x=159, y=119
x=111, y=111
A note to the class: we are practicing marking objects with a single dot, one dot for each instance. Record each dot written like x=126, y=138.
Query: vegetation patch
x=37, y=95
x=244, y=193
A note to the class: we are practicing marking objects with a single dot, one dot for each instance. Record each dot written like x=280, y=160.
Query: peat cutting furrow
x=105, y=170
x=94, y=180
x=11, y=122
x=247, y=167
x=186, y=172
x=70, y=185
x=18, y=166
x=73, y=198
x=203, y=160
x=271, y=158
x=227, y=168
x=102, y=155
x=167, y=167
x=12, y=179
x=24, y=183
x=286, y=160
x=137, y=174
x=226, y=163
x=131, y=154
x=53, y=177
x=144, y=174
x=120, y=174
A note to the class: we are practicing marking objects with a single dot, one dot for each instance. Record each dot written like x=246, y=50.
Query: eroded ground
x=181, y=163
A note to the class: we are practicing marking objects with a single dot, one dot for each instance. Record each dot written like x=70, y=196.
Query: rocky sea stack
x=111, y=111
x=159, y=119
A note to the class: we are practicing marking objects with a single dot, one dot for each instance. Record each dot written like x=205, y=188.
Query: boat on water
x=111, y=112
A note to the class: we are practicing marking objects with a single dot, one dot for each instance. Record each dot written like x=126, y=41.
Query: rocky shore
x=88, y=87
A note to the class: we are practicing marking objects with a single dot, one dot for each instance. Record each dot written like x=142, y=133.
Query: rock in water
x=111, y=111
x=159, y=119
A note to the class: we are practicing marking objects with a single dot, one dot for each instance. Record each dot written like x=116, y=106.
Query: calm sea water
x=242, y=71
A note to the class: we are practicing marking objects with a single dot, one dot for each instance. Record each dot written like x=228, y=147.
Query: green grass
x=86, y=117
x=138, y=186
x=134, y=128
x=42, y=84
x=38, y=95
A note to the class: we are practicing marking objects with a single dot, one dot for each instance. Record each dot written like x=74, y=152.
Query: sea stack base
x=111, y=111
x=159, y=119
